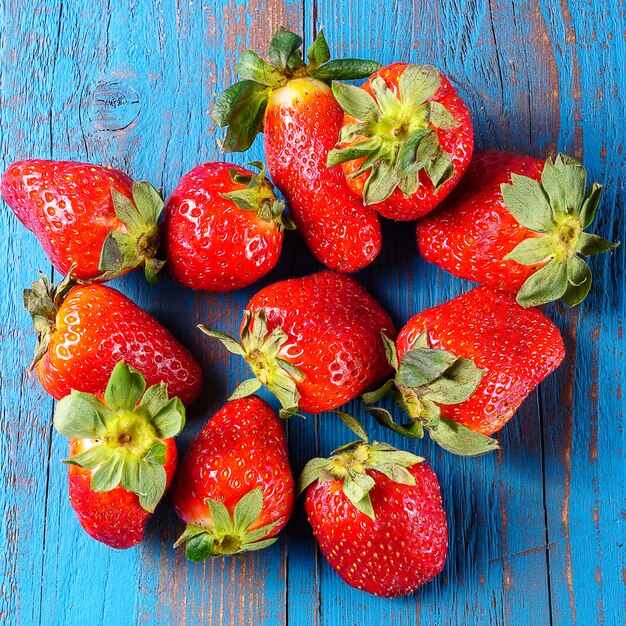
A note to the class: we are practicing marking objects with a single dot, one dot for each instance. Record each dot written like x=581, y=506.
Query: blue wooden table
x=537, y=530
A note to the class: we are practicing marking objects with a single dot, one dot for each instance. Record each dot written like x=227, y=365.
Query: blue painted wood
x=535, y=531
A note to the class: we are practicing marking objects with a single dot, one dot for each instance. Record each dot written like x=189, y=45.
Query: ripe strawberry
x=377, y=515
x=223, y=227
x=314, y=342
x=293, y=106
x=93, y=217
x=84, y=330
x=234, y=488
x=516, y=223
x=122, y=454
x=406, y=140
x=464, y=367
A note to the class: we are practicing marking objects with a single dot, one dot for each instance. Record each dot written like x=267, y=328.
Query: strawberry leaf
x=459, y=439
x=528, y=203
x=458, y=383
x=222, y=522
x=590, y=205
x=108, y=475
x=372, y=397
x=545, y=285
x=248, y=510
x=311, y=472
x=125, y=388
x=345, y=69
x=440, y=117
x=246, y=388
x=119, y=251
x=357, y=151
x=579, y=281
x=319, y=52
x=421, y=366
x=380, y=184
x=390, y=351
x=531, y=251
x=356, y=488
x=241, y=108
x=590, y=244
x=81, y=415
x=148, y=201
x=565, y=182
x=255, y=536
x=128, y=214
x=199, y=546
x=417, y=84
x=353, y=424
x=356, y=102
x=170, y=420
x=90, y=458
x=282, y=46
x=152, y=480
x=232, y=345
x=154, y=399
x=257, y=545
x=411, y=429
x=252, y=67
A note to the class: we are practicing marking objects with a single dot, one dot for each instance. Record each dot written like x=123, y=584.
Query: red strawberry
x=91, y=217
x=464, y=367
x=406, y=140
x=293, y=106
x=314, y=342
x=85, y=330
x=122, y=454
x=516, y=223
x=234, y=489
x=223, y=227
x=377, y=515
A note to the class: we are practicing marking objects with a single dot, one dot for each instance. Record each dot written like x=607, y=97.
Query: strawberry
x=464, y=367
x=85, y=330
x=406, y=140
x=376, y=513
x=292, y=104
x=314, y=342
x=223, y=227
x=91, y=217
x=234, y=488
x=517, y=223
x=122, y=454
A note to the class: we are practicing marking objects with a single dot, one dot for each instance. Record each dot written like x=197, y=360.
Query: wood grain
x=536, y=531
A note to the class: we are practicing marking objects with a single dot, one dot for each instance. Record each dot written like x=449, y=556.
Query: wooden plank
x=496, y=53
x=123, y=96
x=584, y=437
x=25, y=410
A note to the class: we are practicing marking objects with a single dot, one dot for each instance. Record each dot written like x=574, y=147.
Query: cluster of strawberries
x=341, y=155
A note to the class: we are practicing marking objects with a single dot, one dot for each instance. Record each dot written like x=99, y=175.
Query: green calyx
x=557, y=209
x=351, y=463
x=127, y=431
x=42, y=301
x=426, y=378
x=139, y=246
x=261, y=350
x=242, y=106
x=225, y=534
x=395, y=135
x=258, y=196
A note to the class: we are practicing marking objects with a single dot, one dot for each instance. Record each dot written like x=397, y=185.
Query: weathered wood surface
x=536, y=532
